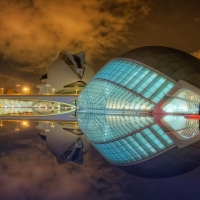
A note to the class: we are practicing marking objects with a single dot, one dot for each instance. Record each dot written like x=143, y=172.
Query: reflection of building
x=68, y=74
x=147, y=79
x=33, y=107
x=65, y=141
x=124, y=139
x=140, y=146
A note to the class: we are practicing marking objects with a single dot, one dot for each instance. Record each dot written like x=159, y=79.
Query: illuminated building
x=68, y=74
x=147, y=79
x=148, y=82
x=61, y=84
x=142, y=145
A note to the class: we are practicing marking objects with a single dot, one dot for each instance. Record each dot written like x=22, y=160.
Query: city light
x=17, y=86
x=26, y=90
x=25, y=123
x=17, y=128
x=47, y=129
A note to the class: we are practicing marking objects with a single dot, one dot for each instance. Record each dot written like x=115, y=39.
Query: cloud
x=31, y=173
x=28, y=171
x=33, y=30
x=6, y=80
x=196, y=54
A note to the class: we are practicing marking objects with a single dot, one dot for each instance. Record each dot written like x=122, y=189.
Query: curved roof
x=61, y=142
x=171, y=62
x=66, y=69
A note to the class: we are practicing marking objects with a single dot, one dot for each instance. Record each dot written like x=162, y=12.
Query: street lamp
x=47, y=129
x=25, y=89
x=47, y=87
x=17, y=87
x=53, y=89
x=76, y=90
x=25, y=123
x=17, y=128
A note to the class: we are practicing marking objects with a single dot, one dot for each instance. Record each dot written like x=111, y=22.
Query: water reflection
x=33, y=107
x=35, y=111
x=150, y=146
x=147, y=146
x=64, y=140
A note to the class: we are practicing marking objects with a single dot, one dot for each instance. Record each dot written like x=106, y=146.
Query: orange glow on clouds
x=32, y=31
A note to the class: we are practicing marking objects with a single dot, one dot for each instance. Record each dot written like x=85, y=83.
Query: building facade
x=68, y=74
x=147, y=79
x=121, y=111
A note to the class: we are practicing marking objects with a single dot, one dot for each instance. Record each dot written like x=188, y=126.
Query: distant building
x=9, y=91
x=68, y=74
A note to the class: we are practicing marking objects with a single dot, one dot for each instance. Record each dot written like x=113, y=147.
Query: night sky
x=32, y=32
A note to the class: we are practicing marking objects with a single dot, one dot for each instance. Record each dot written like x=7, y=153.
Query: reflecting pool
x=150, y=146
x=145, y=145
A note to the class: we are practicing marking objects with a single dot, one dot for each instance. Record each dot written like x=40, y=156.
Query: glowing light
x=25, y=123
x=52, y=125
x=17, y=87
x=26, y=90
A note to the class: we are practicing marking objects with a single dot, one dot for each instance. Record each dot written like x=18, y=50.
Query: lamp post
x=17, y=128
x=25, y=90
x=53, y=89
x=76, y=90
x=52, y=125
x=47, y=129
x=47, y=87
x=17, y=87
x=25, y=123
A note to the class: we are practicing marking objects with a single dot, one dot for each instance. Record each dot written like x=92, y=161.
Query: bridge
x=38, y=107
x=68, y=99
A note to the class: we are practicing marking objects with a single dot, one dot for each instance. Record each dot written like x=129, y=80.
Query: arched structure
x=68, y=74
x=147, y=79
